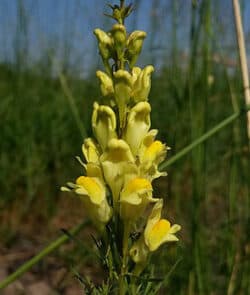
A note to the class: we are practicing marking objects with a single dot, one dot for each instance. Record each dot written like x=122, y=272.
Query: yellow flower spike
x=103, y=124
x=135, y=196
x=134, y=46
x=106, y=84
x=117, y=163
x=138, y=124
x=90, y=150
x=142, y=85
x=119, y=36
x=159, y=231
x=122, y=86
x=105, y=43
x=93, y=194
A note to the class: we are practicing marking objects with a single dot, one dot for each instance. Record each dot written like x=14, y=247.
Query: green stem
x=124, y=266
x=68, y=94
x=51, y=247
x=203, y=138
x=125, y=247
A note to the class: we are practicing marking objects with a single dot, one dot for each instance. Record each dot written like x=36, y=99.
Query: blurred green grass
x=207, y=192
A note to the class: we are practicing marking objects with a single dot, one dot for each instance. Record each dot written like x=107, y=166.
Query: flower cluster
x=122, y=157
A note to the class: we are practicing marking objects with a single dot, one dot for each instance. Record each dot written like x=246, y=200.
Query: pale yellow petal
x=90, y=150
x=106, y=83
x=138, y=125
x=103, y=124
x=91, y=187
x=142, y=85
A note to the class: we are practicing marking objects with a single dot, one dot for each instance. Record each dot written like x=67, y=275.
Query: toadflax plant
x=121, y=161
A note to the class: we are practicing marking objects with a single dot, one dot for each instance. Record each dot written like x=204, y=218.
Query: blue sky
x=64, y=25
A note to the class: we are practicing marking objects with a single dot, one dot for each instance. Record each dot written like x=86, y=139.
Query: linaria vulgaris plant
x=121, y=161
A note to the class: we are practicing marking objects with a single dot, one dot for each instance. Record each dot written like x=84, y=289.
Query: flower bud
x=103, y=124
x=90, y=150
x=142, y=85
x=138, y=124
x=105, y=43
x=119, y=36
x=134, y=46
x=122, y=87
x=106, y=83
x=139, y=252
x=135, y=74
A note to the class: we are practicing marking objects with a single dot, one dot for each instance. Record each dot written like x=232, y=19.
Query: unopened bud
x=104, y=42
x=142, y=85
x=122, y=87
x=119, y=37
x=106, y=83
x=134, y=46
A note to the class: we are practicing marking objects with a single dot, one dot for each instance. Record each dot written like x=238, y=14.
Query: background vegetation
x=46, y=96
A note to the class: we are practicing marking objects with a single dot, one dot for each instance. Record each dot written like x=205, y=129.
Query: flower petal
x=90, y=150
x=91, y=187
x=138, y=125
x=142, y=85
x=106, y=83
x=103, y=124
x=117, y=163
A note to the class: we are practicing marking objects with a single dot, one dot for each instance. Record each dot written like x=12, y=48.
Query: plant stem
x=47, y=250
x=72, y=104
x=124, y=266
x=243, y=58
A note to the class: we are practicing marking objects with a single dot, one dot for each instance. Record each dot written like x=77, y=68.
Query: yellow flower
x=103, y=124
x=135, y=196
x=92, y=192
x=122, y=87
x=90, y=150
x=134, y=46
x=151, y=154
x=138, y=124
x=117, y=163
x=142, y=83
x=159, y=231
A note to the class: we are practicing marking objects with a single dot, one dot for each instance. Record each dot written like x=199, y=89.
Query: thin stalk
x=243, y=58
x=47, y=250
x=202, y=138
x=68, y=94
x=72, y=104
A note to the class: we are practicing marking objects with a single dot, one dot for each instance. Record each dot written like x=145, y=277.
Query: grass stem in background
x=243, y=58
x=68, y=94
